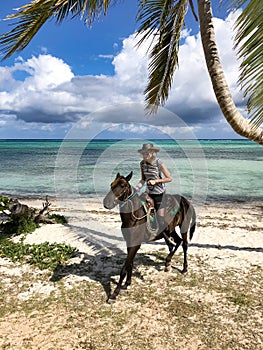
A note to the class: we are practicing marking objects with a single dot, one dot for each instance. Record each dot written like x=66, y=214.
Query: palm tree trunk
x=239, y=124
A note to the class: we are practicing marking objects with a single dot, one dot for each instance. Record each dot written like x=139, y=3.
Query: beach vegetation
x=58, y=218
x=4, y=203
x=17, y=225
x=164, y=21
x=239, y=299
x=17, y=218
x=44, y=255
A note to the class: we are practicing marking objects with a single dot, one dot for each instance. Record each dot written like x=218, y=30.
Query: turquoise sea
x=204, y=170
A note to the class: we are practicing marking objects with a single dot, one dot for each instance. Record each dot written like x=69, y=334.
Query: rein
x=134, y=216
x=150, y=229
x=128, y=200
x=153, y=231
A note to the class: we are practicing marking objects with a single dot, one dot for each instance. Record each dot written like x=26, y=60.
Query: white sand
x=229, y=236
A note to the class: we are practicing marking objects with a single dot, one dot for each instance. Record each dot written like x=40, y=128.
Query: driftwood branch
x=22, y=210
x=40, y=217
x=45, y=205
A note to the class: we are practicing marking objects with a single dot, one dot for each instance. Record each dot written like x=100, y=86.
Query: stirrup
x=152, y=210
x=152, y=224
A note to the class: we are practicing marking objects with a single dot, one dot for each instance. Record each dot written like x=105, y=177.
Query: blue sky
x=72, y=79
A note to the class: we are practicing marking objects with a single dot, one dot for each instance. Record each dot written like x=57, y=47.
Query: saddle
x=171, y=205
x=171, y=209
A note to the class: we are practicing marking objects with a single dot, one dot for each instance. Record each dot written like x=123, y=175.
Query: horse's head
x=120, y=191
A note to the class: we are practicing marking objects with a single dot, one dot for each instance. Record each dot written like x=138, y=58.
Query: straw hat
x=148, y=147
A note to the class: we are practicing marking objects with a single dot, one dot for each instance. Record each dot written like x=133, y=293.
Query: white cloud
x=44, y=88
x=45, y=72
x=110, y=57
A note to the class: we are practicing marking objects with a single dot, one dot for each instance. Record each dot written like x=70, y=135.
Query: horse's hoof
x=184, y=271
x=111, y=300
x=167, y=269
x=125, y=287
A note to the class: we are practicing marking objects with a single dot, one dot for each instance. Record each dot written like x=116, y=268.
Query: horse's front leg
x=125, y=271
x=131, y=255
x=113, y=296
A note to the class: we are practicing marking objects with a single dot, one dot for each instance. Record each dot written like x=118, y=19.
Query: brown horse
x=179, y=212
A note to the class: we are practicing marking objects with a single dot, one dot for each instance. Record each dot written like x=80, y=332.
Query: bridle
x=125, y=198
x=119, y=198
x=128, y=200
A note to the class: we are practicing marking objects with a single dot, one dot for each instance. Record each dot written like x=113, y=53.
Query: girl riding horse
x=179, y=212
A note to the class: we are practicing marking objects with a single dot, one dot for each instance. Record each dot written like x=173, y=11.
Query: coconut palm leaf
x=30, y=19
x=248, y=40
x=164, y=19
x=32, y=16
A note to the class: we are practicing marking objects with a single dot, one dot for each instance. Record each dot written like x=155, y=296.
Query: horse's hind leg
x=185, y=247
x=125, y=271
x=172, y=249
x=184, y=228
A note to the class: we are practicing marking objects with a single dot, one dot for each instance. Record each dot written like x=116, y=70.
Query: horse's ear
x=118, y=175
x=129, y=176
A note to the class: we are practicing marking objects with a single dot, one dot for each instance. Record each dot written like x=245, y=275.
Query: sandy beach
x=228, y=238
x=227, y=235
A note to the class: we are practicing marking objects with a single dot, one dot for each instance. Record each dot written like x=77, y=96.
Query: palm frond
x=164, y=19
x=248, y=40
x=193, y=10
x=31, y=17
x=88, y=10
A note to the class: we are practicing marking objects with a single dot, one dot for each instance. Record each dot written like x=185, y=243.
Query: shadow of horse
x=105, y=259
x=230, y=247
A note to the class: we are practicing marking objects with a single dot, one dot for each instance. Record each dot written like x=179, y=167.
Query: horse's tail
x=193, y=223
x=189, y=216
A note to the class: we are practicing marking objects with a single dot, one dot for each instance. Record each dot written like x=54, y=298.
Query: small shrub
x=17, y=225
x=4, y=203
x=239, y=299
x=60, y=219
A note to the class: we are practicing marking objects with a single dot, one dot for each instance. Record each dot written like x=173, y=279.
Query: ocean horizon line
x=120, y=139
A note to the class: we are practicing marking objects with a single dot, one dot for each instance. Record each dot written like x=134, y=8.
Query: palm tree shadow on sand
x=105, y=259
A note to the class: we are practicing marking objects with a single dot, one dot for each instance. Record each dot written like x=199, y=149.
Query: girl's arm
x=141, y=182
x=167, y=176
